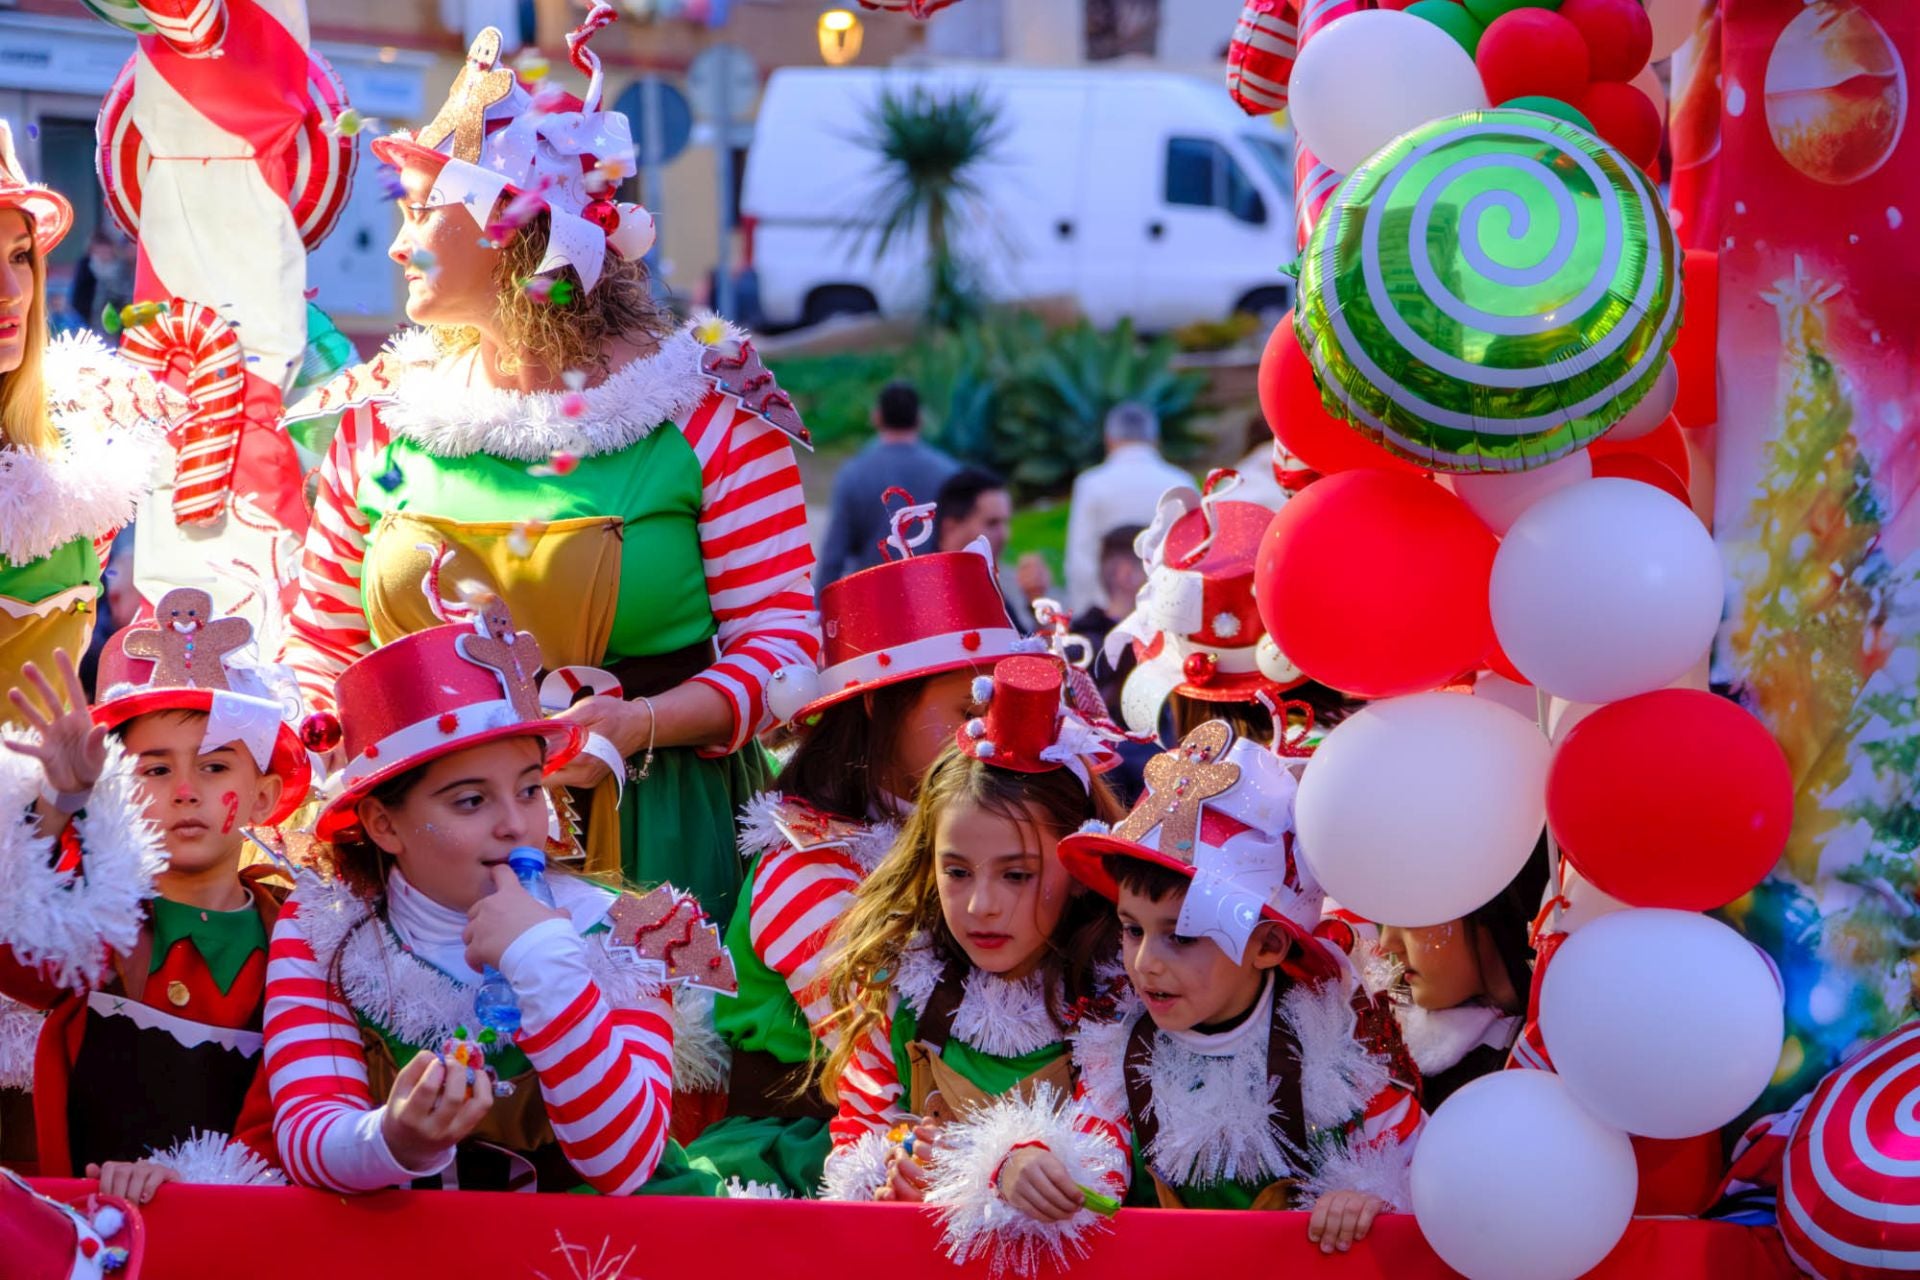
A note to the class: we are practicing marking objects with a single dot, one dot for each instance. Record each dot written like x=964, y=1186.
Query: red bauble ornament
x=603, y=214
x=1618, y=33
x=1693, y=347
x=1290, y=400
x=1638, y=466
x=1675, y=798
x=1625, y=118
x=1532, y=51
x=1375, y=583
x=1199, y=667
x=320, y=732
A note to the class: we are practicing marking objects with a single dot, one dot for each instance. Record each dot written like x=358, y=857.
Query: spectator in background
x=1121, y=577
x=104, y=276
x=974, y=503
x=896, y=458
x=1124, y=489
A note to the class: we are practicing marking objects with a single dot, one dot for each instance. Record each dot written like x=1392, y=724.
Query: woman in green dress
x=627, y=485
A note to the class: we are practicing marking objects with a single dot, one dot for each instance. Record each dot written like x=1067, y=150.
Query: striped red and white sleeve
x=797, y=896
x=327, y=629
x=869, y=1092
x=756, y=557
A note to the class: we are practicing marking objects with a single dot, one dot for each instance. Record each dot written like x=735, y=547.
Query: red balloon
x=1664, y=444
x=1532, y=51
x=1291, y=402
x=1624, y=117
x=1675, y=798
x=1501, y=665
x=1638, y=466
x=1699, y=403
x=1375, y=583
x=1618, y=33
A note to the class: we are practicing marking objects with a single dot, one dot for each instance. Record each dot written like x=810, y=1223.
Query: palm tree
x=930, y=148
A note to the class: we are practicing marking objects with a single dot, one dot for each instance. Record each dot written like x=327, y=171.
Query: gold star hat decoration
x=494, y=140
x=1218, y=809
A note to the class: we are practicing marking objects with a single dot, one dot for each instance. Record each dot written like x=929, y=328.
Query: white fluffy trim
x=702, y=1060
x=1217, y=1121
x=917, y=973
x=1439, y=1038
x=977, y=1222
x=89, y=485
x=1379, y=1168
x=438, y=410
x=760, y=824
x=214, y=1159
x=67, y=922
x=856, y=1171
x=738, y=1190
x=19, y=1039
x=769, y=822
x=1099, y=1051
x=1339, y=1075
x=1005, y=1019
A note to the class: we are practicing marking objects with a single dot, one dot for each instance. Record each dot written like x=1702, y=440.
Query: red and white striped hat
x=52, y=216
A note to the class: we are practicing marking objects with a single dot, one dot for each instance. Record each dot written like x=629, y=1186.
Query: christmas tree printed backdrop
x=1816, y=503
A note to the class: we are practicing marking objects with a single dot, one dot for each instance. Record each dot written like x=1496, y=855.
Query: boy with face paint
x=132, y=921
x=1246, y=1068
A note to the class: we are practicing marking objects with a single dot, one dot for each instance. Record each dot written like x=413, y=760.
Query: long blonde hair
x=900, y=898
x=25, y=422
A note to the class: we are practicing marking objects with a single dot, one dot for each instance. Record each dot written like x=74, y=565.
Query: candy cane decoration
x=1260, y=56
x=1313, y=185
x=194, y=28
x=207, y=444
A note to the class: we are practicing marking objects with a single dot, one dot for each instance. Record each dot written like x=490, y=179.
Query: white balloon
x=1514, y=1180
x=1501, y=497
x=1585, y=902
x=1645, y=418
x=1606, y=589
x=1416, y=810
x=1371, y=76
x=1511, y=694
x=1673, y=22
x=1662, y=1023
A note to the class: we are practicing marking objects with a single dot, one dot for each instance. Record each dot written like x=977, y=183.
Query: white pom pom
x=984, y=751
x=976, y=728
x=634, y=236
x=109, y=1221
x=1226, y=626
x=982, y=690
x=791, y=689
x=1273, y=664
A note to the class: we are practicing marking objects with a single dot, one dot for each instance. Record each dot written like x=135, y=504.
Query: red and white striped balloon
x=194, y=28
x=1260, y=56
x=1313, y=185
x=207, y=443
x=322, y=161
x=1850, y=1195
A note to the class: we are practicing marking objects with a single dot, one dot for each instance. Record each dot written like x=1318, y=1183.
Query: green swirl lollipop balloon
x=1489, y=292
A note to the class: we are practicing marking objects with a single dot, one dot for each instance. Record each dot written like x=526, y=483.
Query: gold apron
x=33, y=632
x=564, y=590
x=961, y=1097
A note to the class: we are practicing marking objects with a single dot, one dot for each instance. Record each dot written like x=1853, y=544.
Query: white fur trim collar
x=997, y=1017
x=435, y=408
x=1440, y=1038
x=1213, y=1100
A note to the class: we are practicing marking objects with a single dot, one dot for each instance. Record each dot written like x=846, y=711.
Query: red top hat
x=181, y=662
x=918, y=615
x=42, y=1238
x=435, y=692
x=1026, y=726
x=1194, y=626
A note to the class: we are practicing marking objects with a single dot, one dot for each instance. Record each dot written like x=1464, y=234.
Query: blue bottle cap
x=525, y=858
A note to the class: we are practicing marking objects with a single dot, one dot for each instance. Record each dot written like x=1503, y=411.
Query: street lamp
x=840, y=33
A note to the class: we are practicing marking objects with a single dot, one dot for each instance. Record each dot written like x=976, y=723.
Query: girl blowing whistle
x=951, y=975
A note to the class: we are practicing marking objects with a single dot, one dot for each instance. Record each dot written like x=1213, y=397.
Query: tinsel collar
x=997, y=1017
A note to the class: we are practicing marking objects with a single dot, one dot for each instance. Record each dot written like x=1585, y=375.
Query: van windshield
x=1273, y=156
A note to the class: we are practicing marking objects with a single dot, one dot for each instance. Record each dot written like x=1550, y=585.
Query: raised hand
x=71, y=748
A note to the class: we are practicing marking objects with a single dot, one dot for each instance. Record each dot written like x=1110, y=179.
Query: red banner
x=304, y=1235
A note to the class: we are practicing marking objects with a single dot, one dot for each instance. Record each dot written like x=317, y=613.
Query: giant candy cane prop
x=207, y=444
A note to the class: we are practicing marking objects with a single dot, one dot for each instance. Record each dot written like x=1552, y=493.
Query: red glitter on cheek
x=231, y=801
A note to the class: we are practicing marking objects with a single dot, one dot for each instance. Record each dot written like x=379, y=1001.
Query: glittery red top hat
x=1025, y=725
x=915, y=615
x=435, y=692
x=1194, y=625
x=189, y=660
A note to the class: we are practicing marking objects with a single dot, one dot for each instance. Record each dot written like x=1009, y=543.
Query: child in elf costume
x=381, y=1073
x=1242, y=1070
x=952, y=973
x=905, y=640
x=152, y=1040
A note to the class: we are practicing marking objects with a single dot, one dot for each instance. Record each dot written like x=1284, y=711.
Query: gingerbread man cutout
x=480, y=84
x=190, y=647
x=514, y=654
x=1177, y=782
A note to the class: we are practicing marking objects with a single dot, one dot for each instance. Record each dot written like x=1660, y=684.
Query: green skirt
x=774, y=1152
x=678, y=825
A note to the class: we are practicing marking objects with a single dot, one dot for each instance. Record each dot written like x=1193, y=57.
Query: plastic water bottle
x=494, y=1004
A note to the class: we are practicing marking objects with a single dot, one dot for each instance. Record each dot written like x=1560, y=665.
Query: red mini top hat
x=42, y=1238
x=185, y=661
x=1194, y=625
x=52, y=215
x=1026, y=726
x=435, y=692
x=1219, y=810
x=913, y=616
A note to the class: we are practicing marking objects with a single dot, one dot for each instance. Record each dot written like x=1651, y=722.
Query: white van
x=1140, y=193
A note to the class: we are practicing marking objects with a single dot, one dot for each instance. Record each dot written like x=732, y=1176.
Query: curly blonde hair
x=900, y=898
x=570, y=335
